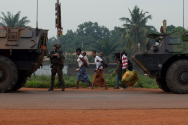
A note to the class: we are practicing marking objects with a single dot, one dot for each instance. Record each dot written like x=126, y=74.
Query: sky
x=105, y=12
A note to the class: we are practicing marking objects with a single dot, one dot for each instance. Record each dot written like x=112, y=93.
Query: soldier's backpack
x=130, y=65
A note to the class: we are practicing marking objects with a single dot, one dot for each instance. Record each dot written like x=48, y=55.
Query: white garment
x=86, y=59
x=97, y=63
x=80, y=62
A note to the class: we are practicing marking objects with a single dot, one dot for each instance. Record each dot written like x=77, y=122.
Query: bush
x=146, y=82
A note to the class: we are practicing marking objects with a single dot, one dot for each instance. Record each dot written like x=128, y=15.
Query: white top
x=97, y=63
x=80, y=62
x=86, y=59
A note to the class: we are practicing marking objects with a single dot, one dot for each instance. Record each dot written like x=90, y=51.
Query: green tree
x=93, y=30
x=67, y=39
x=86, y=36
x=117, y=37
x=177, y=31
x=106, y=46
x=51, y=42
x=135, y=28
x=13, y=20
x=170, y=28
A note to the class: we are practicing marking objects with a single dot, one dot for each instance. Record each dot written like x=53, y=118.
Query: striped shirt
x=124, y=61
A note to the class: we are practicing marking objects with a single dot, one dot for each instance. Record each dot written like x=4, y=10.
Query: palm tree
x=13, y=20
x=135, y=28
x=107, y=47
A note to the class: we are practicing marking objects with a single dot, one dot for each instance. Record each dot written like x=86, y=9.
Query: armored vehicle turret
x=21, y=53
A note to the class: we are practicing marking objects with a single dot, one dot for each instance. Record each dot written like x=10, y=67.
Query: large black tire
x=8, y=74
x=177, y=77
x=162, y=85
x=20, y=83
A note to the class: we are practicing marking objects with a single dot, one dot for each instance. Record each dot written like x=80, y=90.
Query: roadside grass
x=146, y=82
x=70, y=81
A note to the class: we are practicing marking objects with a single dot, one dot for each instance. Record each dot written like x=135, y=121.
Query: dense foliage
x=86, y=36
x=89, y=36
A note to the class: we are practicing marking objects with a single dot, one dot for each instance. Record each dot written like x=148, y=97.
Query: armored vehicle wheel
x=162, y=85
x=177, y=77
x=20, y=83
x=8, y=74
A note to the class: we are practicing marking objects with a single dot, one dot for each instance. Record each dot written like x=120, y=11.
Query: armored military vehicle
x=166, y=59
x=21, y=53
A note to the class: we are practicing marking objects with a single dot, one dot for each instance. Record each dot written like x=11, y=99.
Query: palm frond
x=14, y=20
x=135, y=27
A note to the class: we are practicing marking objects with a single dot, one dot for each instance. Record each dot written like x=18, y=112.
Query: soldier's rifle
x=54, y=52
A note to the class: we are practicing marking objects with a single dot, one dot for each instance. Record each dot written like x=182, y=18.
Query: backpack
x=130, y=65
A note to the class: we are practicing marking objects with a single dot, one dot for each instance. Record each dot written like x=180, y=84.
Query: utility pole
x=58, y=36
x=37, y=16
x=183, y=16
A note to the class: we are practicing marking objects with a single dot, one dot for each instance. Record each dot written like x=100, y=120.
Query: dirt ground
x=94, y=117
x=93, y=107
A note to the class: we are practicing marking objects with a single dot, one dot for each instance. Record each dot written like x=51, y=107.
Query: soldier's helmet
x=57, y=45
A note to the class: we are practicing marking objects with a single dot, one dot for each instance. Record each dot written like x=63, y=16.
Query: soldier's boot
x=52, y=83
x=63, y=85
x=61, y=80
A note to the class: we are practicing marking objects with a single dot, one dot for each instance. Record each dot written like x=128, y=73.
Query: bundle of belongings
x=130, y=78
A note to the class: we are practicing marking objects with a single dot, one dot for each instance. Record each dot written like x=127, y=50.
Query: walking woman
x=99, y=78
x=82, y=75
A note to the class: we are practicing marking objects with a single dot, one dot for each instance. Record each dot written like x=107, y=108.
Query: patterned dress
x=82, y=75
x=99, y=78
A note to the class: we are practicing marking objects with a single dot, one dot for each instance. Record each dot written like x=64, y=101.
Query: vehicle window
x=155, y=42
x=158, y=41
x=174, y=40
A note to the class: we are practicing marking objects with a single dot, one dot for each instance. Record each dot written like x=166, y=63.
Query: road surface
x=90, y=107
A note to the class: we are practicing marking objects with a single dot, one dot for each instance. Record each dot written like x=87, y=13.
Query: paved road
x=92, y=99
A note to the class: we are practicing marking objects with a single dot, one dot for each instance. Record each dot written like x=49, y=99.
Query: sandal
x=90, y=87
x=106, y=88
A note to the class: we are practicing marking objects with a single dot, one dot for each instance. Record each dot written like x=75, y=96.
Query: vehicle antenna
x=37, y=16
x=183, y=17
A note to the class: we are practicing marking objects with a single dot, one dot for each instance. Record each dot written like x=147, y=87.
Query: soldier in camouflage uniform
x=57, y=60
